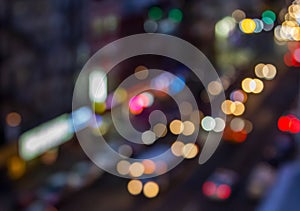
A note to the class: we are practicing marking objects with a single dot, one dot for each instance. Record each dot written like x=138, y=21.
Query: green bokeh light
x=269, y=14
x=155, y=13
x=267, y=20
x=175, y=15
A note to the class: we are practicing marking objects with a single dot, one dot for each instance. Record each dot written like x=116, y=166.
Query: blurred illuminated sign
x=98, y=86
x=53, y=133
x=46, y=136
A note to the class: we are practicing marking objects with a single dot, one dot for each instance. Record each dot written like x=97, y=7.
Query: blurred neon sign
x=46, y=136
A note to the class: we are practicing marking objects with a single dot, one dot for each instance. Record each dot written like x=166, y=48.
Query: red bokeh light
x=136, y=105
x=289, y=123
x=209, y=188
x=223, y=191
x=235, y=136
x=283, y=123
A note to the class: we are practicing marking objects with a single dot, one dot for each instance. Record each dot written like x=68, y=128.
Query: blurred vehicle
x=283, y=148
x=220, y=185
x=260, y=180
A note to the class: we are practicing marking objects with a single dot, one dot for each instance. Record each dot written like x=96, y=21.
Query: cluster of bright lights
x=289, y=123
x=209, y=123
x=289, y=30
x=265, y=71
x=186, y=128
x=250, y=85
x=156, y=21
x=138, y=169
x=188, y=151
x=237, y=129
x=222, y=191
x=266, y=23
x=139, y=102
x=235, y=108
x=150, y=189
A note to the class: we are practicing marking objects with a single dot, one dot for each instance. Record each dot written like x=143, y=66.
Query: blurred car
x=283, y=148
x=220, y=185
x=260, y=180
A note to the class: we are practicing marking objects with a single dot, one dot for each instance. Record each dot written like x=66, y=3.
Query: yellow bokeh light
x=290, y=24
x=259, y=70
x=254, y=85
x=288, y=29
x=190, y=150
x=295, y=33
x=149, y=166
x=237, y=124
x=188, y=128
x=214, y=88
x=176, y=127
x=177, y=148
x=136, y=169
x=269, y=71
x=123, y=167
x=246, y=85
x=141, y=72
x=259, y=86
x=228, y=107
x=135, y=187
x=16, y=167
x=294, y=11
x=151, y=189
x=247, y=25
x=99, y=107
x=160, y=130
x=239, y=108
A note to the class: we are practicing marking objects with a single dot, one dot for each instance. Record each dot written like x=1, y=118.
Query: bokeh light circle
x=96, y=147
